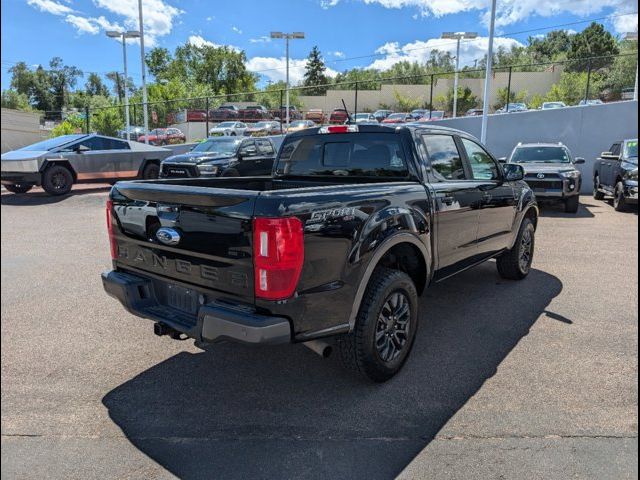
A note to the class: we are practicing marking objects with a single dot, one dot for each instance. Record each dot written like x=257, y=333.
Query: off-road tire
x=57, y=180
x=509, y=263
x=572, y=204
x=151, y=171
x=597, y=194
x=619, y=200
x=358, y=349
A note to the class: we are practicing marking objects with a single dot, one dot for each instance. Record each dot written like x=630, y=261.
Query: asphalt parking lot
x=532, y=379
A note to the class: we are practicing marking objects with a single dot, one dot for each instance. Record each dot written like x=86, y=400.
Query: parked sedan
x=364, y=118
x=58, y=163
x=263, y=129
x=134, y=132
x=230, y=129
x=224, y=112
x=300, y=125
x=338, y=115
x=382, y=114
x=513, y=108
x=315, y=115
x=164, y=136
x=418, y=113
x=398, y=118
x=433, y=116
x=553, y=105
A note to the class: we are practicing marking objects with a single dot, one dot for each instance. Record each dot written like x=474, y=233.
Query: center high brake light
x=112, y=238
x=278, y=254
x=338, y=129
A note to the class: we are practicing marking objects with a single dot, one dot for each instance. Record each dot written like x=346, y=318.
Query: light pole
x=457, y=36
x=145, y=114
x=287, y=37
x=633, y=36
x=124, y=36
x=487, y=75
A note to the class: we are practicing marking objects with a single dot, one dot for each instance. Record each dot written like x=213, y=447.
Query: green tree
x=593, y=41
x=515, y=96
x=314, y=75
x=15, y=100
x=95, y=86
x=158, y=60
x=466, y=100
x=62, y=78
x=404, y=103
x=107, y=121
x=71, y=124
x=553, y=46
x=572, y=87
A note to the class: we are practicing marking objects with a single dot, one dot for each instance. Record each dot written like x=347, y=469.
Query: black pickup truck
x=615, y=173
x=353, y=224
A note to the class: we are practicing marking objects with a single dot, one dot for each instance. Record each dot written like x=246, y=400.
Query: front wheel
x=151, y=171
x=572, y=204
x=57, y=180
x=597, y=194
x=18, y=188
x=619, y=201
x=385, y=327
x=516, y=263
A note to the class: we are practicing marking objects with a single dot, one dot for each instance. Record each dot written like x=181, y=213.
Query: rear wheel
x=597, y=194
x=572, y=204
x=150, y=171
x=18, y=188
x=516, y=263
x=385, y=327
x=57, y=180
x=619, y=202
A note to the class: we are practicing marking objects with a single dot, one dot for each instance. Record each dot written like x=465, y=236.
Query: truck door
x=92, y=163
x=457, y=199
x=498, y=202
x=607, y=168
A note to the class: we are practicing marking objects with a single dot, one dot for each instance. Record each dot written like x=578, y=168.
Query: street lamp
x=124, y=36
x=287, y=37
x=633, y=36
x=457, y=36
x=487, y=74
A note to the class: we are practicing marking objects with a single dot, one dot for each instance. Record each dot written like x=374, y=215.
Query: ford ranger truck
x=331, y=251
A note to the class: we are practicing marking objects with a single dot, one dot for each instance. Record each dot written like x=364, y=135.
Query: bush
x=514, y=97
x=72, y=124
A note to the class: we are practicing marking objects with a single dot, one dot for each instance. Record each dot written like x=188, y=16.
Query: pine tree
x=314, y=74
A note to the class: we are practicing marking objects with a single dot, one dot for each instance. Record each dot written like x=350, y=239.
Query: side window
x=483, y=167
x=264, y=147
x=444, y=157
x=93, y=143
x=247, y=147
x=112, y=144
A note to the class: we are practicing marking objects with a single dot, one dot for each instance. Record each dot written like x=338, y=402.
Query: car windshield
x=50, y=144
x=219, y=146
x=540, y=155
x=631, y=150
x=226, y=125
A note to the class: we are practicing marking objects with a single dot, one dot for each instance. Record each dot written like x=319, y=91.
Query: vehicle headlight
x=570, y=174
x=208, y=169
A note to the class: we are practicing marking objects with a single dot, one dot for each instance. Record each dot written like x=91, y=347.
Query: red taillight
x=278, y=254
x=112, y=239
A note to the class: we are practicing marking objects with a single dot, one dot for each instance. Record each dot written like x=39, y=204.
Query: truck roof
x=390, y=128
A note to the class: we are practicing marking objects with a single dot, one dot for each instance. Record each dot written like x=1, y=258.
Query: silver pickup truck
x=57, y=163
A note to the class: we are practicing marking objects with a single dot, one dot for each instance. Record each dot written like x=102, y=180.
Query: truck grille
x=179, y=170
x=551, y=181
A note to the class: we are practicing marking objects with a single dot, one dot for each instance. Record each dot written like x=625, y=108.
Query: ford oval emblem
x=168, y=236
x=540, y=175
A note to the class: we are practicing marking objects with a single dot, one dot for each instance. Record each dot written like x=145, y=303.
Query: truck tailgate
x=213, y=227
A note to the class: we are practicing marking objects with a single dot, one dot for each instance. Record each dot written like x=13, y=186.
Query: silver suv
x=550, y=170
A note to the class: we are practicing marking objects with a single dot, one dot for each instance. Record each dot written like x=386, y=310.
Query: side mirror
x=513, y=172
x=579, y=161
x=502, y=160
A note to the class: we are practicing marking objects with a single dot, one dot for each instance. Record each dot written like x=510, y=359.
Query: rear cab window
x=344, y=154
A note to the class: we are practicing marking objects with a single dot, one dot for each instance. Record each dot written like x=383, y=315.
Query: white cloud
x=49, y=6
x=513, y=11
x=337, y=54
x=419, y=51
x=275, y=68
x=107, y=25
x=199, y=41
x=82, y=24
x=159, y=16
x=208, y=19
x=237, y=30
x=262, y=39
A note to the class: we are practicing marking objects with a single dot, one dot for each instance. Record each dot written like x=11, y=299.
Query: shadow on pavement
x=282, y=412
x=43, y=198
x=556, y=210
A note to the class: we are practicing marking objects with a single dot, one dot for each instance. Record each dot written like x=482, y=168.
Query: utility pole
x=457, y=36
x=287, y=37
x=487, y=81
x=124, y=36
x=145, y=113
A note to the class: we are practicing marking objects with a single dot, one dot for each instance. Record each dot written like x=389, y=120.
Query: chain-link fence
x=427, y=97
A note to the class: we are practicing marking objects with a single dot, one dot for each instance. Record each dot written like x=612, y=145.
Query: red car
x=339, y=115
x=254, y=113
x=225, y=112
x=164, y=136
x=399, y=118
x=434, y=117
x=315, y=115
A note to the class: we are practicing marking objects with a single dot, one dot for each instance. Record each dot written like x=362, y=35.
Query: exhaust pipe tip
x=319, y=347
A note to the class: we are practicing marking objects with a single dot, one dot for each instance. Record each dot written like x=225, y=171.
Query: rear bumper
x=22, y=178
x=213, y=321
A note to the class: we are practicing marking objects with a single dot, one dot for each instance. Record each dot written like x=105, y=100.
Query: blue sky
x=380, y=32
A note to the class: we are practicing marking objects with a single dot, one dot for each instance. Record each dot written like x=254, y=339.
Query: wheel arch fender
x=63, y=162
x=146, y=162
x=402, y=239
x=529, y=210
